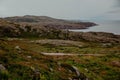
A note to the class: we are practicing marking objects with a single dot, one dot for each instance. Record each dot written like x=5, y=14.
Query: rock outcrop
x=40, y=21
x=12, y=29
x=73, y=69
x=95, y=37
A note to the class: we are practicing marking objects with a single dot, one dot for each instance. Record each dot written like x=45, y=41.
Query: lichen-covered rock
x=2, y=67
x=79, y=75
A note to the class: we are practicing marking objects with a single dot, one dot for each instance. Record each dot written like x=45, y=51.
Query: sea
x=103, y=26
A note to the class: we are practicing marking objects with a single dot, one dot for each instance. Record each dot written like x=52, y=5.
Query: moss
x=94, y=67
x=4, y=75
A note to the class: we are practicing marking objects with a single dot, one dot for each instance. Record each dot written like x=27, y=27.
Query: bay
x=103, y=26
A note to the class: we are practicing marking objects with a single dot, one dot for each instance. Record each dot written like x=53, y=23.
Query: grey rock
x=51, y=69
x=2, y=67
x=17, y=48
x=29, y=57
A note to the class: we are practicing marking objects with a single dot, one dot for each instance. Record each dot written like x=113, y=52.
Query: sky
x=63, y=9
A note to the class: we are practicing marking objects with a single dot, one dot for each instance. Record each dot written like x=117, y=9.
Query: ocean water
x=105, y=26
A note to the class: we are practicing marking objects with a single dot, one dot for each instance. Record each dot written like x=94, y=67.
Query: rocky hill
x=40, y=21
x=11, y=29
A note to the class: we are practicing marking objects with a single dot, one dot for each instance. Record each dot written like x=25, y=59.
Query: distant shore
x=106, y=26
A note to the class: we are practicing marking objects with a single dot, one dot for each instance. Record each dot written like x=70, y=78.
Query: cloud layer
x=68, y=9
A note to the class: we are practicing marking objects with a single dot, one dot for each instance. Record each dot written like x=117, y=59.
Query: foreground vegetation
x=23, y=60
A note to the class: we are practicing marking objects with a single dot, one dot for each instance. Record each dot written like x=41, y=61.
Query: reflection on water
x=107, y=26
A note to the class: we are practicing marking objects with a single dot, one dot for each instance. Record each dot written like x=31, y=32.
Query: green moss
x=4, y=75
x=94, y=67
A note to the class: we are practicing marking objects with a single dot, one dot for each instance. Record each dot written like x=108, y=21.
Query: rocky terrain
x=45, y=21
x=25, y=59
x=11, y=29
x=36, y=48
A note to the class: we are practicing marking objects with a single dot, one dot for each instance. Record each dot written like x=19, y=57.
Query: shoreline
x=99, y=28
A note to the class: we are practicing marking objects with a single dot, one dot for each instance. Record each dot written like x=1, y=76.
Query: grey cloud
x=118, y=3
x=116, y=8
x=67, y=9
x=114, y=11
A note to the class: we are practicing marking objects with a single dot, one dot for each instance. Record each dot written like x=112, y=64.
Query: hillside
x=29, y=51
x=23, y=59
x=12, y=29
x=49, y=22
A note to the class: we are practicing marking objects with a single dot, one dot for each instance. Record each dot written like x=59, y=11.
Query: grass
x=20, y=67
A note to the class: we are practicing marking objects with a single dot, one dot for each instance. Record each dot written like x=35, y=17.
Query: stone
x=70, y=78
x=17, y=48
x=51, y=69
x=2, y=67
x=29, y=57
x=86, y=70
x=115, y=63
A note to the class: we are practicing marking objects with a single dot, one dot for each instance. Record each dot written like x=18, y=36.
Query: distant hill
x=46, y=21
x=30, y=18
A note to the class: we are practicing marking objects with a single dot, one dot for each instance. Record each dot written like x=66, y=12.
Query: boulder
x=17, y=48
x=2, y=67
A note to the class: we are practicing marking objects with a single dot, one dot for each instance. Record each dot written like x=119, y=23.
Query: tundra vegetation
x=22, y=57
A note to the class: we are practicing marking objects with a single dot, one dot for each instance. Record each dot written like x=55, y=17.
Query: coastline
x=106, y=26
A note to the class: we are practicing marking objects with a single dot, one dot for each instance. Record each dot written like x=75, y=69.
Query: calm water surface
x=107, y=26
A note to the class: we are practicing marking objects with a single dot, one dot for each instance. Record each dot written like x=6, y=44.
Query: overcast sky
x=65, y=9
